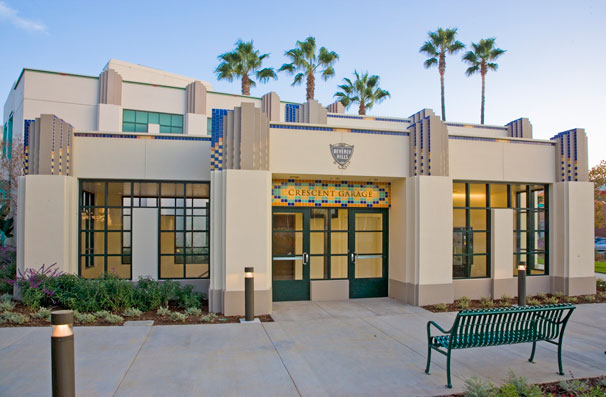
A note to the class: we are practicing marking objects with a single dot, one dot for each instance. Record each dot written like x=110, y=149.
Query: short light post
x=249, y=293
x=62, y=354
x=522, y=284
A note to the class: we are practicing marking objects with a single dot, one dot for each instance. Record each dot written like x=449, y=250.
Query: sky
x=552, y=72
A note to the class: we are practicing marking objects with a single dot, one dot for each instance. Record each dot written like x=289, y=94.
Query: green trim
x=236, y=95
x=153, y=85
x=51, y=72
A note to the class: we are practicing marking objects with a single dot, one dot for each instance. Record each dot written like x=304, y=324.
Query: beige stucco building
x=149, y=174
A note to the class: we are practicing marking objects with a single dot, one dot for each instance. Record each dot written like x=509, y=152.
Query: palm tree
x=480, y=60
x=364, y=90
x=441, y=42
x=307, y=62
x=241, y=62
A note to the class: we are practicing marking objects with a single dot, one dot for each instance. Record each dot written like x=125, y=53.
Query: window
x=137, y=121
x=209, y=126
x=106, y=227
x=328, y=243
x=471, y=239
x=471, y=226
x=7, y=138
x=530, y=228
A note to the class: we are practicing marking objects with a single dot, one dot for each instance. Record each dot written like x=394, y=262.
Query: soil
x=599, y=297
x=554, y=389
x=150, y=315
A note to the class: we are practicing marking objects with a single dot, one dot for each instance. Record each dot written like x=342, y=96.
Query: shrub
x=522, y=387
x=15, y=318
x=163, y=311
x=558, y=294
x=464, y=303
x=43, y=313
x=571, y=299
x=193, y=311
x=600, y=284
x=441, y=307
x=101, y=314
x=84, y=318
x=177, y=316
x=589, y=298
x=541, y=296
x=6, y=298
x=132, y=312
x=113, y=319
x=8, y=269
x=533, y=302
x=552, y=300
x=574, y=387
x=487, y=302
x=475, y=387
x=209, y=318
x=6, y=304
x=33, y=298
x=505, y=297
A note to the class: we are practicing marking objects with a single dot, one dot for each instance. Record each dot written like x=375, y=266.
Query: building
x=146, y=173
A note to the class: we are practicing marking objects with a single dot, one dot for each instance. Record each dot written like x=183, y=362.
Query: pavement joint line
x=324, y=310
x=281, y=360
x=23, y=335
x=410, y=348
x=133, y=360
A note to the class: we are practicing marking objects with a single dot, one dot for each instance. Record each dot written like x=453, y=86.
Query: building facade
x=145, y=173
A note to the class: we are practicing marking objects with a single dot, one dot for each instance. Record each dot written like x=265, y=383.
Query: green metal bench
x=501, y=326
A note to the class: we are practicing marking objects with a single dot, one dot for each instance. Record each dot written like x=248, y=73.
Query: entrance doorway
x=315, y=244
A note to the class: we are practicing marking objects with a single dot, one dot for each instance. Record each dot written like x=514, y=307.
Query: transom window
x=137, y=121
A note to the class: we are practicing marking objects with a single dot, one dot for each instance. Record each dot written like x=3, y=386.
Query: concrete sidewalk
x=358, y=347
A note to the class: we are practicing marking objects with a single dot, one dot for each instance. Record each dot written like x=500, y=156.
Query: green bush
x=8, y=269
x=487, y=302
x=163, y=311
x=177, y=316
x=532, y=302
x=43, y=313
x=209, y=318
x=15, y=318
x=193, y=311
x=84, y=318
x=571, y=299
x=32, y=298
x=552, y=300
x=101, y=314
x=464, y=303
x=132, y=312
x=6, y=305
x=114, y=319
x=441, y=307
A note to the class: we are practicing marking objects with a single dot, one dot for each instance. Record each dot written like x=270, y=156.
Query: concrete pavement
x=357, y=347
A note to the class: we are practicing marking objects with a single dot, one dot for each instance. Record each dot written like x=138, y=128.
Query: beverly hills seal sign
x=341, y=153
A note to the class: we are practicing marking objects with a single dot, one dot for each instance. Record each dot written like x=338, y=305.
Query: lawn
x=600, y=267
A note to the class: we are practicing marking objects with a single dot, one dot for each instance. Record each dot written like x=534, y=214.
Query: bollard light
x=522, y=284
x=249, y=293
x=62, y=354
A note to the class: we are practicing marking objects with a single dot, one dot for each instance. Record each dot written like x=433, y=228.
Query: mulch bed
x=150, y=315
x=554, y=389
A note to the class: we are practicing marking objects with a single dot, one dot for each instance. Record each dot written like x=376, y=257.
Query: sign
x=297, y=193
x=341, y=153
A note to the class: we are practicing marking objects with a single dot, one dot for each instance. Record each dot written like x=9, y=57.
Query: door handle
x=353, y=257
x=305, y=258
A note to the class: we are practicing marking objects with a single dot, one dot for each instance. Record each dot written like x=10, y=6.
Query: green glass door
x=290, y=254
x=368, y=253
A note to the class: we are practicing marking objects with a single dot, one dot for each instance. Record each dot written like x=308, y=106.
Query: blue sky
x=552, y=71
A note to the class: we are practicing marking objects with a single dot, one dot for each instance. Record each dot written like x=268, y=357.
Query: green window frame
x=188, y=203
x=138, y=121
x=530, y=204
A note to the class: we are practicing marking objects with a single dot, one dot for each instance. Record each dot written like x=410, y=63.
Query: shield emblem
x=341, y=153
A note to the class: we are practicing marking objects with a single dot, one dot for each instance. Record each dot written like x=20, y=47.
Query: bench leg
x=534, y=348
x=560, y=357
x=428, y=359
x=449, y=385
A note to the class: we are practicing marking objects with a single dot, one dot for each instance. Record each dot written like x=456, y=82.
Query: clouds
x=11, y=15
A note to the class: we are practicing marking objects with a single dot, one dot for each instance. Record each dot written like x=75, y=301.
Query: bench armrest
x=430, y=323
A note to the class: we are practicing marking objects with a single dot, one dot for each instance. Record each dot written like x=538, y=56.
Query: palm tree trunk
x=483, y=98
x=443, y=105
x=245, y=84
x=311, y=85
x=362, y=109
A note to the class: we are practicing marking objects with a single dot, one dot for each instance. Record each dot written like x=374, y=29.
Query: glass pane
x=92, y=242
x=369, y=267
x=288, y=269
x=458, y=218
x=200, y=240
x=538, y=263
x=115, y=219
x=288, y=221
x=153, y=118
x=126, y=242
x=287, y=243
x=519, y=241
x=520, y=219
x=168, y=242
x=93, y=218
x=459, y=242
x=145, y=189
x=171, y=268
x=477, y=195
x=477, y=219
x=369, y=221
x=115, y=265
x=141, y=117
x=199, y=223
x=338, y=241
x=369, y=242
x=197, y=190
x=128, y=127
x=318, y=243
x=318, y=267
x=477, y=243
x=338, y=219
x=498, y=196
x=459, y=266
x=129, y=116
x=177, y=120
x=92, y=266
x=319, y=219
x=173, y=190
x=197, y=266
x=537, y=196
x=95, y=193
x=478, y=266
x=114, y=243
x=165, y=119
x=140, y=127
x=165, y=129
x=338, y=266
x=518, y=195
x=116, y=191
x=458, y=195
